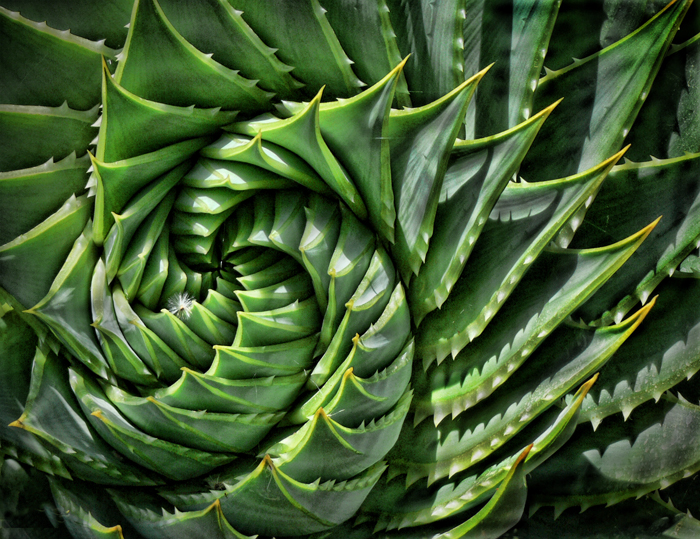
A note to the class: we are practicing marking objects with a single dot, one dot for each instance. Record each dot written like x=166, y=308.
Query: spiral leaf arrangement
x=289, y=272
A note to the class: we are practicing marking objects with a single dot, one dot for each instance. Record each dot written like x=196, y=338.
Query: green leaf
x=347, y=267
x=18, y=342
x=267, y=501
x=663, y=353
x=325, y=449
x=302, y=135
x=604, y=93
x=351, y=128
x=420, y=141
x=239, y=362
x=503, y=510
x=158, y=64
x=675, y=89
x=43, y=188
x=84, y=511
x=66, y=308
x=431, y=32
x=207, y=431
x=358, y=400
x=672, y=192
x=233, y=43
x=476, y=176
x=131, y=125
x=82, y=17
x=151, y=520
x=304, y=39
x=492, y=29
x=289, y=223
x=375, y=350
x=123, y=361
x=400, y=504
x=365, y=32
x=71, y=63
x=136, y=255
x=274, y=273
x=318, y=243
x=264, y=155
x=583, y=27
x=363, y=308
x=486, y=364
x=155, y=274
x=175, y=333
x=127, y=222
x=622, y=459
x=293, y=321
x=525, y=322
x=647, y=518
x=523, y=221
x=63, y=133
x=148, y=346
x=297, y=287
x=195, y=391
x=208, y=327
x=30, y=262
x=173, y=460
x=53, y=415
x=118, y=182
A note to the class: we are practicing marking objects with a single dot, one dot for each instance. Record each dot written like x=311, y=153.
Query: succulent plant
x=349, y=268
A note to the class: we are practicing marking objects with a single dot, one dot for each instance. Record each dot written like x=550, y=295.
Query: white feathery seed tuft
x=181, y=305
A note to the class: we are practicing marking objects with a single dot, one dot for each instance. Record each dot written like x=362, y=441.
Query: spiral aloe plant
x=349, y=268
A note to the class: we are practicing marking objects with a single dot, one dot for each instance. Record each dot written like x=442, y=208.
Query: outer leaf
x=352, y=128
x=66, y=307
x=603, y=93
x=324, y=448
x=662, y=354
x=151, y=520
x=483, y=366
x=365, y=32
x=18, y=342
x=503, y=510
x=71, y=63
x=302, y=134
x=671, y=191
x=583, y=27
x=172, y=460
x=62, y=130
x=160, y=65
x=670, y=135
x=645, y=518
x=525, y=219
x=513, y=36
x=121, y=357
x=400, y=505
x=43, y=189
x=268, y=501
x=623, y=460
x=30, y=262
x=53, y=415
x=196, y=391
x=304, y=39
x=208, y=431
x=431, y=32
x=233, y=43
x=82, y=511
x=118, y=182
